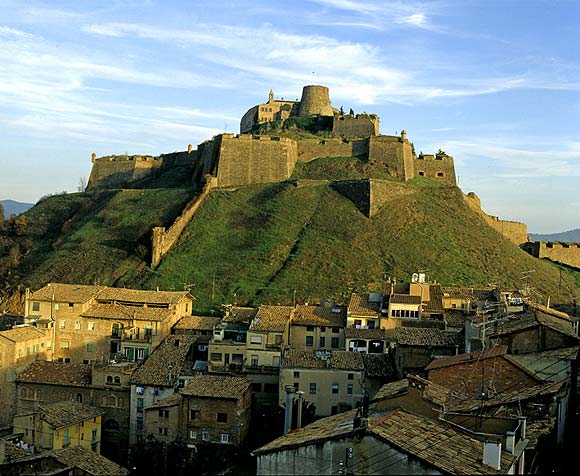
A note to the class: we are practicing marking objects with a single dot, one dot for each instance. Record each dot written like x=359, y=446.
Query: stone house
x=363, y=331
x=202, y=328
x=166, y=370
x=216, y=409
x=60, y=425
x=535, y=332
x=417, y=347
x=106, y=387
x=161, y=420
x=318, y=328
x=90, y=323
x=371, y=341
x=18, y=348
x=394, y=441
x=333, y=381
x=467, y=299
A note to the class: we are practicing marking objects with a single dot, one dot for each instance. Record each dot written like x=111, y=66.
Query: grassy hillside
x=262, y=244
x=340, y=168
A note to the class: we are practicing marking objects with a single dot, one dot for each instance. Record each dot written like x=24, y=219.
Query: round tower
x=315, y=101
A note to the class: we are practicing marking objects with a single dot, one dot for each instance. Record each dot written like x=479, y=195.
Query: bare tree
x=82, y=184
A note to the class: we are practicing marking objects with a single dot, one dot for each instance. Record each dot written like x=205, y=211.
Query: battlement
x=262, y=138
x=361, y=125
x=438, y=156
x=124, y=158
x=557, y=251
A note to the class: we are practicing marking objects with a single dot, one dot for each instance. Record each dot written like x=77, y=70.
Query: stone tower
x=315, y=100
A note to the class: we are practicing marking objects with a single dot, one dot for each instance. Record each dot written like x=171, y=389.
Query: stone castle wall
x=361, y=125
x=315, y=101
x=513, y=230
x=395, y=153
x=309, y=149
x=565, y=253
x=438, y=167
x=117, y=170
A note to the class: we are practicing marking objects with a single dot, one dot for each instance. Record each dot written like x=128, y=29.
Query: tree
x=82, y=186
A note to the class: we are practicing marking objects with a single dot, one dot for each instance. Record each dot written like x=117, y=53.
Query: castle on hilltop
x=248, y=158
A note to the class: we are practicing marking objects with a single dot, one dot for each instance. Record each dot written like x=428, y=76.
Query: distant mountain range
x=570, y=236
x=12, y=207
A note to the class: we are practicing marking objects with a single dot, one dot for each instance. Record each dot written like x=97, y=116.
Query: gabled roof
x=61, y=414
x=216, y=386
x=170, y=401
x=435, y=303
x=360, y=305
x=200, y=323
x=75, y=293
x=311, y=359
x=466, y=358
x=143, y=296
x=118, y=311
x=22, y=334
x=379, y=365
x=530, y=320
x=426, y=337
x=89, y=462
x=240, y=314
x=405, y=299
x=271, y=319
x=56, y=373
x=471, y=294
x=319, y=316
x=166, y=363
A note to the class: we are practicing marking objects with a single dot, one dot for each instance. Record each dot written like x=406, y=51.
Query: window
x=79, y=398
x=225, y=437
x=334, y=342
x=322, y=341
x=440, y=174
x=91, y=326
x=162, y=431
x=296, y=374
x=309, y=341
x=65, y=441
x=216, y=357
x=313, y=388
x=140, y=423
x=256, y=387
x=56, y=306
x=256, y=339
x=309, y=328
x=120, y=402
x=62, y=324
x=205, y=435
x=36, y=306
x=139, y=405
x=296, y=386
x=422, y=174
x=109, y=379
x=117, y=380
x=164, y=413
x=193, y=414
x=254, y=360
x=276, y=361
x=77, y=325
x=20, y=353
x=64, y=344
x=335, y=388
x=349, y=388
x=90, y=347
x=336, y=330
x=193, y=434
x=35, y=348
x=222, y=417
x=94, y=435
x=350, y=376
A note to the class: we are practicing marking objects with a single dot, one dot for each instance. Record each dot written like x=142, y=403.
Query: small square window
x=335, y=388
x=296, y=374
x=193, y=434
x=349, y=389
x=222, y=417
x=323, y=329
x=205, y=435
x=90, y=347
x=225, y=437
x=313, y=388
x=91, y=326
x=334, y=342
x=62, y=324
x=309, y=341
x=36, y=306
x=309, y=328
x=56, y=306
x=193, y=414
x=336, y=330
x=350, y=376
x=77, y=325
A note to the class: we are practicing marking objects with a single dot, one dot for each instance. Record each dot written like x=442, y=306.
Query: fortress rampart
x=559, y=252
x=361, y=125
x=315, y=101
x=513, y=230
x=439, y=167
x=310, y=149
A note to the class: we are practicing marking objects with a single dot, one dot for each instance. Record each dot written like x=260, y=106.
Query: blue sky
x=496, y=84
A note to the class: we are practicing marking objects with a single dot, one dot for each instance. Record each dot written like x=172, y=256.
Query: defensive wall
x=395, y=153
x=559, y=252
x=513, y=230
x=438, y=167
x=311, y=149
x=162, y=240
x=361, y=125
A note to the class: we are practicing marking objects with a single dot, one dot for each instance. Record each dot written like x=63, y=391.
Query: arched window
x=109, y=379
x=23, y=393
x=79, y=397
x=118, y=380
x=121, y=402
x=112, y=401
x=104, y=401
x=62, y=396
x=38, y=395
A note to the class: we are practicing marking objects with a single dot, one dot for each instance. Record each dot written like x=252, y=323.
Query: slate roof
x=359, y=305
x=165, y=364
x=405, y=299
x=433, y=442
x=56, y=373
x=200, y=323
x=319, y=316
x=530, y=320
x=271, y=319
x=240, y=314
x=61, y=414
x=423, y=337
x=22, y=334
x=311, y=359
x=379, y=365
x=216, y=386
x=471, y=294
x=119, y=311
x=143, y=296
x=466, y=358
x=89, y=462
x=75, y=293
x=378, y=334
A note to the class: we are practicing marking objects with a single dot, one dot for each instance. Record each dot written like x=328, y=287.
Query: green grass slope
x=262, y=244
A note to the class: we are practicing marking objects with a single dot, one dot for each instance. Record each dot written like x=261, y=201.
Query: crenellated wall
x=361, y=125
x=438, y=167
x=559, y=252
x=513, y=230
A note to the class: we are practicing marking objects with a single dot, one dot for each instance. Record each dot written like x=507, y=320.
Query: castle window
x=440, y=174
x=109, y=379
x=422, y=174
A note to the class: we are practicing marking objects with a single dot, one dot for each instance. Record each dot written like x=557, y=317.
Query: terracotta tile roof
x=405, y=299
x=435, y=303
x=56, y=373
x=353, y=333
x=200, y=323
x=466, y=358
x=434, y=442
x=392, y=389
x=550, y=366
x=359, y=305
x=63, y=414
x=271, y=318
x=170, y=401
x=119, y=311
x=419, y=336
x=165, y=364
x=14, y=453
x=240, y=314
x=548, y=310
x=21, y=334
x=216, y=386
x=319, y=316
x=89, y=462
x=311, y=359
x=530, y=320
x=379, y=365
x=143, y=296
x=471, y=294
x=454, y=318
x=76, y=293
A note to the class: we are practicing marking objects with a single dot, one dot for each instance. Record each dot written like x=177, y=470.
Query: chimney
x=492, y=454
x=299, y=417
x=288, y=414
